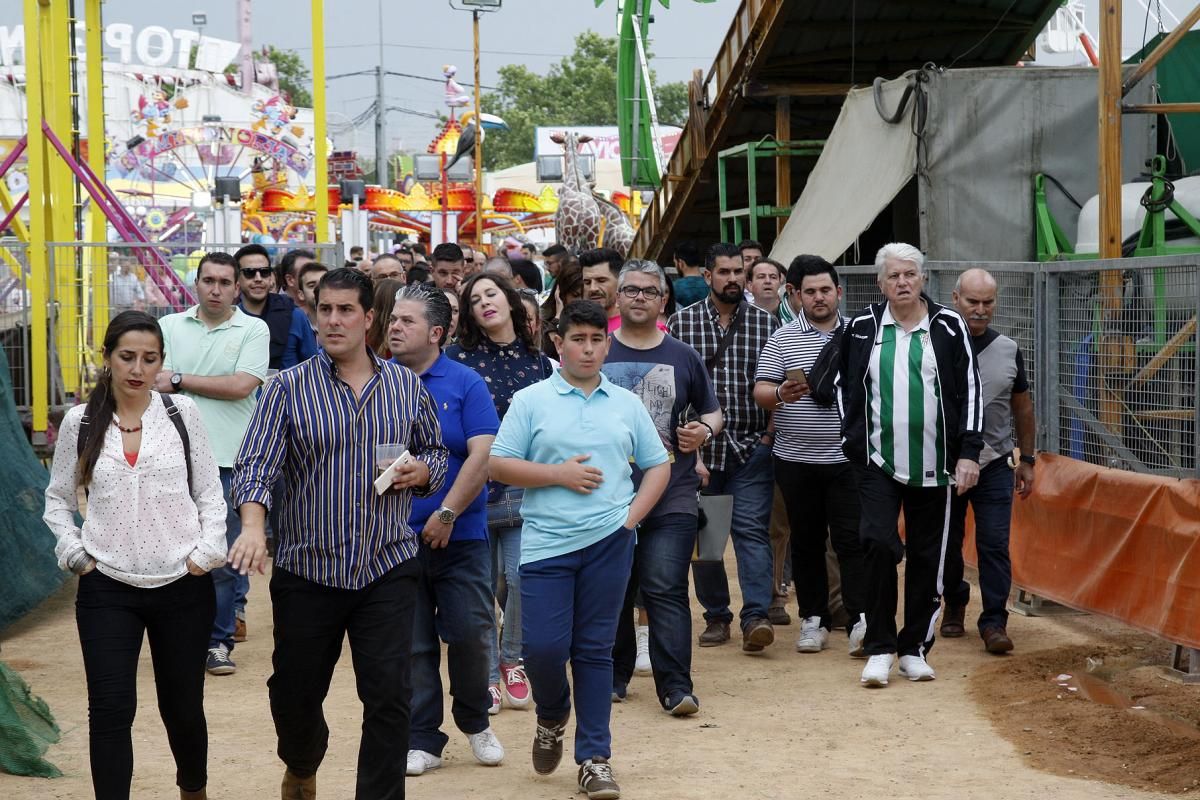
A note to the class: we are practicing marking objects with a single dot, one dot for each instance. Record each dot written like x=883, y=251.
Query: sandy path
x=775, y=725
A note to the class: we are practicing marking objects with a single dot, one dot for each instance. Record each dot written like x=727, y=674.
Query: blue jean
x=573, y=601
x=231, y=587
x=506, y=562
x=752, y=485
x=991, y=500
x=454, y=604
x=660, y=570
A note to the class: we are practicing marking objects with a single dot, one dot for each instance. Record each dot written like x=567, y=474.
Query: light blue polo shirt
x=552, y=421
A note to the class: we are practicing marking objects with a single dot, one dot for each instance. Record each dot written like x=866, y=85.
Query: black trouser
x=822, y=502
x=991, y=500
x=112, y=617
x=311, y=621
x=926, y=521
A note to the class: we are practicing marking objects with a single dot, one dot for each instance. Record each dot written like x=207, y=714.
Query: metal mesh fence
x=14, y=317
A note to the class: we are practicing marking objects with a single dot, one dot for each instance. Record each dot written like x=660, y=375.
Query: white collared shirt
x=142, y=525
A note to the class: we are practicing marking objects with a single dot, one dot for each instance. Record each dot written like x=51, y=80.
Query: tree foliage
x=294, y=77
x=579, y=90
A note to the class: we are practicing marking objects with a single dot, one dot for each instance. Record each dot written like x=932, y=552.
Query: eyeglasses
x=649, y=292
x=259, y=272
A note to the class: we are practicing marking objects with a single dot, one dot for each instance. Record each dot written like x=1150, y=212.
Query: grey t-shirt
x=668, y=378
x=1002, y=374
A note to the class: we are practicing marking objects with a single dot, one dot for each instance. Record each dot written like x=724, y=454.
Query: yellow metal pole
x=64, y=261
x=38, y=195
x=320, y=162
x=478, y=143
x=97, y=230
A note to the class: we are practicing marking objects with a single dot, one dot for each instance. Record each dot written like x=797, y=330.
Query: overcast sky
x=421, y=35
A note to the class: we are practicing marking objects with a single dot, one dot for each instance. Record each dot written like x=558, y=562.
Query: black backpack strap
x=82, y=436
x=177, y=420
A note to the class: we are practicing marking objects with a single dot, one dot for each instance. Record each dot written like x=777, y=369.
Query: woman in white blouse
x=154, y=530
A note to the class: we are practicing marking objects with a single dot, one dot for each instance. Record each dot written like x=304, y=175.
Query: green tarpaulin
x=1178, y=79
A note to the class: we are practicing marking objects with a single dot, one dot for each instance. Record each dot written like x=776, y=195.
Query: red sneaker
x=516, y=685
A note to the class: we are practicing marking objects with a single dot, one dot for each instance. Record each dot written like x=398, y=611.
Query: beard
x=732, y=293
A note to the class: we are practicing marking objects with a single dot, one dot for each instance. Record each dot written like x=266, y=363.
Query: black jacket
x=278, y=316
x=958, y=378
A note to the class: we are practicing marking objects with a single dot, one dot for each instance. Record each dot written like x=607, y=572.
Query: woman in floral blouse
x=494, y=340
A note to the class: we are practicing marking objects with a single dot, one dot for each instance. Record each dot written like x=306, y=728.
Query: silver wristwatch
x=446, y=515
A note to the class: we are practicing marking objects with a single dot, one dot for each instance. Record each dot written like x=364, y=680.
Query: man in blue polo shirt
x=454, y=596
x=569, y=441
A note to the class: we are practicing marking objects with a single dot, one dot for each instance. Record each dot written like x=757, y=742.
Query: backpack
x=176, y=419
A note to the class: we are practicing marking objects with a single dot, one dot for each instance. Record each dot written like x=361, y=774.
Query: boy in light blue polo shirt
x=569, y=441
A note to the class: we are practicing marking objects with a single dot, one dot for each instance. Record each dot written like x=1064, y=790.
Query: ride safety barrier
x=1111, y=542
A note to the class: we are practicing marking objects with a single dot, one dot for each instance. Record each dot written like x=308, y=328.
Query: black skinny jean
x=112, y=617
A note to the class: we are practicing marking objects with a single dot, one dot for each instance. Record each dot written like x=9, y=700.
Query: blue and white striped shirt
x=334, y=529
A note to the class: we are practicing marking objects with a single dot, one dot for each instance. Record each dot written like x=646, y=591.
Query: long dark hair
x=102, y=402
x=385, y=299
x=470, y=335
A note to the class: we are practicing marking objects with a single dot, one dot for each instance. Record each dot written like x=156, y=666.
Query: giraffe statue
x=577, y=221
x=618, y=233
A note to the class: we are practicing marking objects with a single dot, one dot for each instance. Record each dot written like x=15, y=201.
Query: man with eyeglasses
x=218, y=355
x=292, y=339
x=669, y=378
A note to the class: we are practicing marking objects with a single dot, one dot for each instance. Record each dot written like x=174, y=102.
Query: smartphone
x=797, y=374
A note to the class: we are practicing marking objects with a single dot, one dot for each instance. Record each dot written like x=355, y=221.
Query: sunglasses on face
x=259, y=272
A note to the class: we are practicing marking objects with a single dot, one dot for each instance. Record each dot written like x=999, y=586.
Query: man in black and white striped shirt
x=818, y=483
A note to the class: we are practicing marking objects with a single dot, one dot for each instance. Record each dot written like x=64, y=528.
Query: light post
x=476, y=7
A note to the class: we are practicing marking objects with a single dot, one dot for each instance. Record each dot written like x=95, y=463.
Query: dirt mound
x=1151, y=742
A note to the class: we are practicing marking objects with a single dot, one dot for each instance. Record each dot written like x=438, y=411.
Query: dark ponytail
x=102, y=402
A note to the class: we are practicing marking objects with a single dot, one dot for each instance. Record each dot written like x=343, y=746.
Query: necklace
x=126, y=430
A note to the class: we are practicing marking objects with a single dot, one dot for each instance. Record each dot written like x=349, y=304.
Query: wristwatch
x=1030, y=460
x=708, y=436
x=446, y=515
x=176, y=381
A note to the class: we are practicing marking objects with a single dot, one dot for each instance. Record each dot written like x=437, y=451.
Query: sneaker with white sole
x=916, y=668
x=813, y=638
x=515, y=685
x=875, y=673
x=219, y=662
x=420, y=762
x=596, y=780
x=486, y=747
x=858, y=636
x=497, y=700
x=642, y=666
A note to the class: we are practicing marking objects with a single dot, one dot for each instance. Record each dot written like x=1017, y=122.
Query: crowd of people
x=511, y=459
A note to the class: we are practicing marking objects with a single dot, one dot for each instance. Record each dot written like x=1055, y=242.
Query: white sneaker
x=858, y=635
x=420, y=762
x=497, y=700
x=813, y=638
x=875, y=673
x=486, y=747
x=916, y=668
x=642, y=665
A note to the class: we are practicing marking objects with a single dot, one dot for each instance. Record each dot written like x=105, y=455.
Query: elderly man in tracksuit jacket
x=909, y=396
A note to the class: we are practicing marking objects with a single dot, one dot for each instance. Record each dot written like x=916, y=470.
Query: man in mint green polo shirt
x=217, y=355
x=569, y=441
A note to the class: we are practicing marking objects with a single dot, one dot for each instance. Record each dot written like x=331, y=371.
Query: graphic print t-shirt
x=667, y=378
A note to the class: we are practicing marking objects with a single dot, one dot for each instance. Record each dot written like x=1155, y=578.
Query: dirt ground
x=774, y=725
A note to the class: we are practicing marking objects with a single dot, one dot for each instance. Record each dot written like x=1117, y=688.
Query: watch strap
x=1028, y=459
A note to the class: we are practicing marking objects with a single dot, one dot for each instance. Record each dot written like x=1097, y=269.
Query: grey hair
x=898, y=251
x=433, y=300
x=646, y=267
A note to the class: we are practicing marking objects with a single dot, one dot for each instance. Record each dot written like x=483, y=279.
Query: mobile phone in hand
x=797, y=374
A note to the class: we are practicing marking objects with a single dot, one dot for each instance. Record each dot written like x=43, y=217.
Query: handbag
x=504, y=510
x=824, y=370
x=715, y=519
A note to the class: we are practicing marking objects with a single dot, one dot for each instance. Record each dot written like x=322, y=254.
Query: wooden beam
x=1109, y=113
x=1163, y=48
x=783, y=164
x=793, y=89
x=1162, y=108
x=1159, y=360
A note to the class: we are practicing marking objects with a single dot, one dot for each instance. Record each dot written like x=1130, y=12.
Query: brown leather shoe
x=239, y=630
x=778, y=615
x=297, y=788
x=995, y=640
x=201, y=794
x=757, y=634
x=952, y=625
x=716, y=633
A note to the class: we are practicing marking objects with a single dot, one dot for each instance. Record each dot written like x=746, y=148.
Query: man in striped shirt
x=910, y=400
x=818, y=484
x=344, y=560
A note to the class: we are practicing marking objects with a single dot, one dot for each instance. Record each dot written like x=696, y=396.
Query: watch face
x=446, y=515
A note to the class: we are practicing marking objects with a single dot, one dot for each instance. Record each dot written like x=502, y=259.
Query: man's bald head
x=975, y=298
